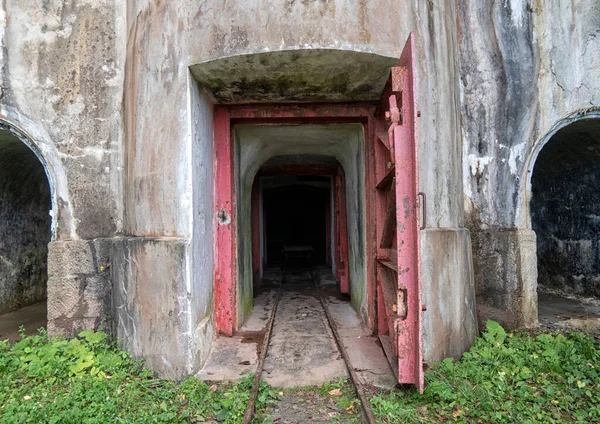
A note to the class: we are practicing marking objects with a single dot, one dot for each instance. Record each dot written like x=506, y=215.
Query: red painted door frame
x=225, y=255
x=225, y=249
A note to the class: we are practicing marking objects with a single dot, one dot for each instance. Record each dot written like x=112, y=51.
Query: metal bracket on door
x=424, y=209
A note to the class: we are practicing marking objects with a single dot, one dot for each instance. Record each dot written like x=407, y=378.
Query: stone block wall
x=79, y=286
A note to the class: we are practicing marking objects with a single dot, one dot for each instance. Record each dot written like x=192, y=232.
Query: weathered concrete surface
x=232, y=358
x=163, y=41
x=152, y=304
x=291, y=75
x=31, y=317
x=61, y=84
x=506, y=276
x=201, y=254
x=24, y=225
x=302, y=351
x=256, y=144
x=79, y=286
x=364, y=349
x=524, y=66
x=61, y=88
x=450, y=321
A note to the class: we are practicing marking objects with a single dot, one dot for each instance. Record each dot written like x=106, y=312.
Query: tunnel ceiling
x=572, y=149
x=15, y=154
x=287, y=160
x=317, y=75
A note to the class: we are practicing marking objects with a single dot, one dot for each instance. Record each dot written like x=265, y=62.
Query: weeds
x=88, y=380
x=506, y=378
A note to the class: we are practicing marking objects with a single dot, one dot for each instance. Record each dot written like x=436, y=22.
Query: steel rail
x=368, y=416
x=366, y=408
x=249, y=413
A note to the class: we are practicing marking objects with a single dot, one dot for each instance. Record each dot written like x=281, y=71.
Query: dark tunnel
x=565, y=209
x=25, y=225
x=296, y=216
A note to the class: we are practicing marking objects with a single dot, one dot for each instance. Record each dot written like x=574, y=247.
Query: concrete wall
x=24, y=225
x=524, y=68
x=61, y=73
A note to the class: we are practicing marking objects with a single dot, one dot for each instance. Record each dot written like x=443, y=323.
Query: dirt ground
x=30, y=317
x=564, y=312
x=327, y=404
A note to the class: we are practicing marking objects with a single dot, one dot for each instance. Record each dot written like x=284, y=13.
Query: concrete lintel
x=305, y=75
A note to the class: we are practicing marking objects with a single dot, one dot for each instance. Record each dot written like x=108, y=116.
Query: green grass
x=506, y=378
x=88, y=380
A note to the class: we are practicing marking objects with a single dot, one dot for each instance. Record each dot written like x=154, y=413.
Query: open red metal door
x=398, y=258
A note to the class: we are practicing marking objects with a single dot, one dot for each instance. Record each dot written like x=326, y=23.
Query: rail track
x=366, y=412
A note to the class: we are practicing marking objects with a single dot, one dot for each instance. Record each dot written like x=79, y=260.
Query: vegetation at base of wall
x=88, y=380
x=506, y=378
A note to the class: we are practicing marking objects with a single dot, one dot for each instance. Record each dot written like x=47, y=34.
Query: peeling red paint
x=398, y=255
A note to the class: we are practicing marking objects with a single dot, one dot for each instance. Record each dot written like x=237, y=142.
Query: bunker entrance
x=299, y=219
x=25, y=231
x=565, y=214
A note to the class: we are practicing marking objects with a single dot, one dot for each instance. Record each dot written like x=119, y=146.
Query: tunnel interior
x=565, y=209
x=295, y=216
x=25, y=225
x=295, y=203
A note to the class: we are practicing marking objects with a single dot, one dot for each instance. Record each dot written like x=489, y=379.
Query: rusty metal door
x=397, y=204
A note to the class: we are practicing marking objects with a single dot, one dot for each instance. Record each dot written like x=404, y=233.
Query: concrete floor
x=302, y=351
x=557, y=311
x=31, y=317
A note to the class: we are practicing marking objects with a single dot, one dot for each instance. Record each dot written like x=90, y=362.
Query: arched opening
x=565, y=215
x=25, y=231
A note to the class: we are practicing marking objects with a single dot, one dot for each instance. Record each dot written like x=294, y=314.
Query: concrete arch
x=291, y=75
x=27, y=141
x=49, y=157
x=524, y=217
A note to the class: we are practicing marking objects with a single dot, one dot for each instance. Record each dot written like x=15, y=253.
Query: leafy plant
x=506, y=378
x=88, y=380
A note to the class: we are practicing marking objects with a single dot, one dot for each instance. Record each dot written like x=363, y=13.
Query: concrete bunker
x=25, y=231
x=565, y=212
x=294, y=172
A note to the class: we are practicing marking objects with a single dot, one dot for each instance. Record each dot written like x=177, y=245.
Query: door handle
x=424, y=209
